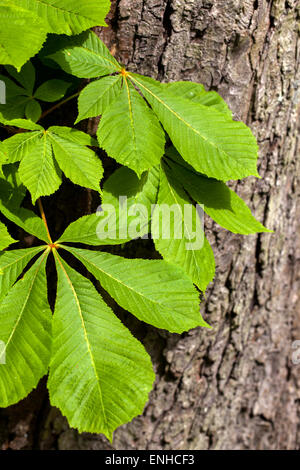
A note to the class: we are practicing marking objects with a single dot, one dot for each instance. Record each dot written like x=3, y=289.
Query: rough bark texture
x=234, y=387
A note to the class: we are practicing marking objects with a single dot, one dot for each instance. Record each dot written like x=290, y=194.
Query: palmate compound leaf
x=154, y=291
x=26, y=331
x=180, y=239
x=209, y=140
x=130, y=132
x=21, y=99
x=100, y=375
x=68, y=16
x=199, y=123
x=222, y=204
x=126, y=200
x=16, y=48
x=105, y=379
x=43, y=154
x=5, y=239
x=117, y=374
x=19, y=92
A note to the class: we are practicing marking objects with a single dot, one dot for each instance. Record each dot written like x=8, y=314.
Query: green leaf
x=12, y=190
x=154, y=291
x=16, y=99
x=5, y=238
x=80, y=164
x=133, y=214
x=16, y=48
x=20, y=145
x=78, y=137
x=197, y=93
x=25, y=77
x=68, y=16
x=121, y=221
x=52, y=90
x=26, y=332
x=21, y=123
x=180, y=239
x=39, y=171
x=130, y=133
x=19, y=102
x=14, y=108
x=11, y=88
x=33, y=110
x=12, y=264
x=86, y=56
x=207, y=139
x=125, y=183
x=97, y=96
x=100, y=375
x=84, y=230
x=25, y=219
x=11, y=195
x=222, y=204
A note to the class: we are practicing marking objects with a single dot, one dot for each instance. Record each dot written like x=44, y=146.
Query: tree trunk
x=234, y=387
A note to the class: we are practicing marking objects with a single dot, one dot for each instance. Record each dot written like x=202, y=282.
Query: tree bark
x=234, y=387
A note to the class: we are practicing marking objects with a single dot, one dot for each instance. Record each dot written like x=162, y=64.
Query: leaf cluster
x=176, y=145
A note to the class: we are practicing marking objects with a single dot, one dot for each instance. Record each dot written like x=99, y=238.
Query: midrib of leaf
x=43, y=160
x=155, y=302
x=174, y=113
x=131, y=115
x=27, y=297
x=176, y=200
x=44, y=157
x=85, y=336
